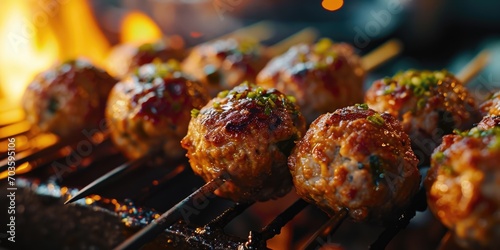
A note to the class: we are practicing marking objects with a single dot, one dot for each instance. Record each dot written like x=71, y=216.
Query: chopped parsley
x=195, y=113
x=362, y=106
x=376, y=119
x=438, y=156
x=157, y=69
x=419, y=82
x=267, y=98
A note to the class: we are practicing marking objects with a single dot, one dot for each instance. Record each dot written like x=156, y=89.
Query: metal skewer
x=171, y=216
x=110, y=177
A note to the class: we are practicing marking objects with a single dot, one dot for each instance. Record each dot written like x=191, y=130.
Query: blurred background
x=436, y=34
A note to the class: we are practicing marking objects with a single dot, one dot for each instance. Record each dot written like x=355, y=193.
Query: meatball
x=489, y=121
x=429, y=104
x=356, y=159
x=246, y=133
x=224, y=64
x=150, y=110
x=462, y=186
x=491, y=106
x=323, y=77
x=162, y=50
x=68, y=98
x=124, y=58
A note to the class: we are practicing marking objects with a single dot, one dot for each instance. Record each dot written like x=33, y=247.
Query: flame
x=23, y=51
x=138, y=28
x=332, y=5
x=36, y=34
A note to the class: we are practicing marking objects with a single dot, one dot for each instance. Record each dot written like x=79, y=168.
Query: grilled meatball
x=150, y=110
x=462, y=185
x=68, y=98
x=224, y=64
x=356, y=159
x=429, y=104
x=162, y=50
x=125, y=58
x=246, y=133
x=323, y=77
x=488, y=122
x=491, y=106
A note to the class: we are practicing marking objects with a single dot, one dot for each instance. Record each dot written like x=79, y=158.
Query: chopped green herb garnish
x=376, y=119
x=495, y=143
x=223, y=94
x=421, y=103
x=447, y=169
x=438, y=156
x=195, y=113
x=387, y=80
x=363, y=106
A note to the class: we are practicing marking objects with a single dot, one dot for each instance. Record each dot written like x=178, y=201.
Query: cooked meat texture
x=462, y=186
x=492, y=105
x=150, y=110
x=323, y=77
x=356, y=159
x=124, y=58
x=247, y=134
x=224, y=64
x=162, y=50
x=429, y=104
x=68, y=98
x=488, y=122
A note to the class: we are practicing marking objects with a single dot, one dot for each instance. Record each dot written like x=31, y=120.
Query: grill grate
x=105, y=157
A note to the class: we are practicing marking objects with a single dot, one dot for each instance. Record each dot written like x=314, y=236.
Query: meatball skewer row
x=473, y=68
x=221, y=123
x=137, y=145
x=221, y=140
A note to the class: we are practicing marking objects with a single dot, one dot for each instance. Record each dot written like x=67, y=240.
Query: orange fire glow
x=332, y=5
x=138, y=28
x=37, y=34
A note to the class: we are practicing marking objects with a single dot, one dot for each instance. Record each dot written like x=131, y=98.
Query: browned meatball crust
x=463, y=185
x=356, y=159
x=429, y=104
x=68, y=98
x=492, y=105
x=323, y=77
x=224, y=64
x=162, y=50
x=150, y=110
x=246, y=133
x=488, y=122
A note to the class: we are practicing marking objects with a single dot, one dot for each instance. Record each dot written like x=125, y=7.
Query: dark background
x=436, y=33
